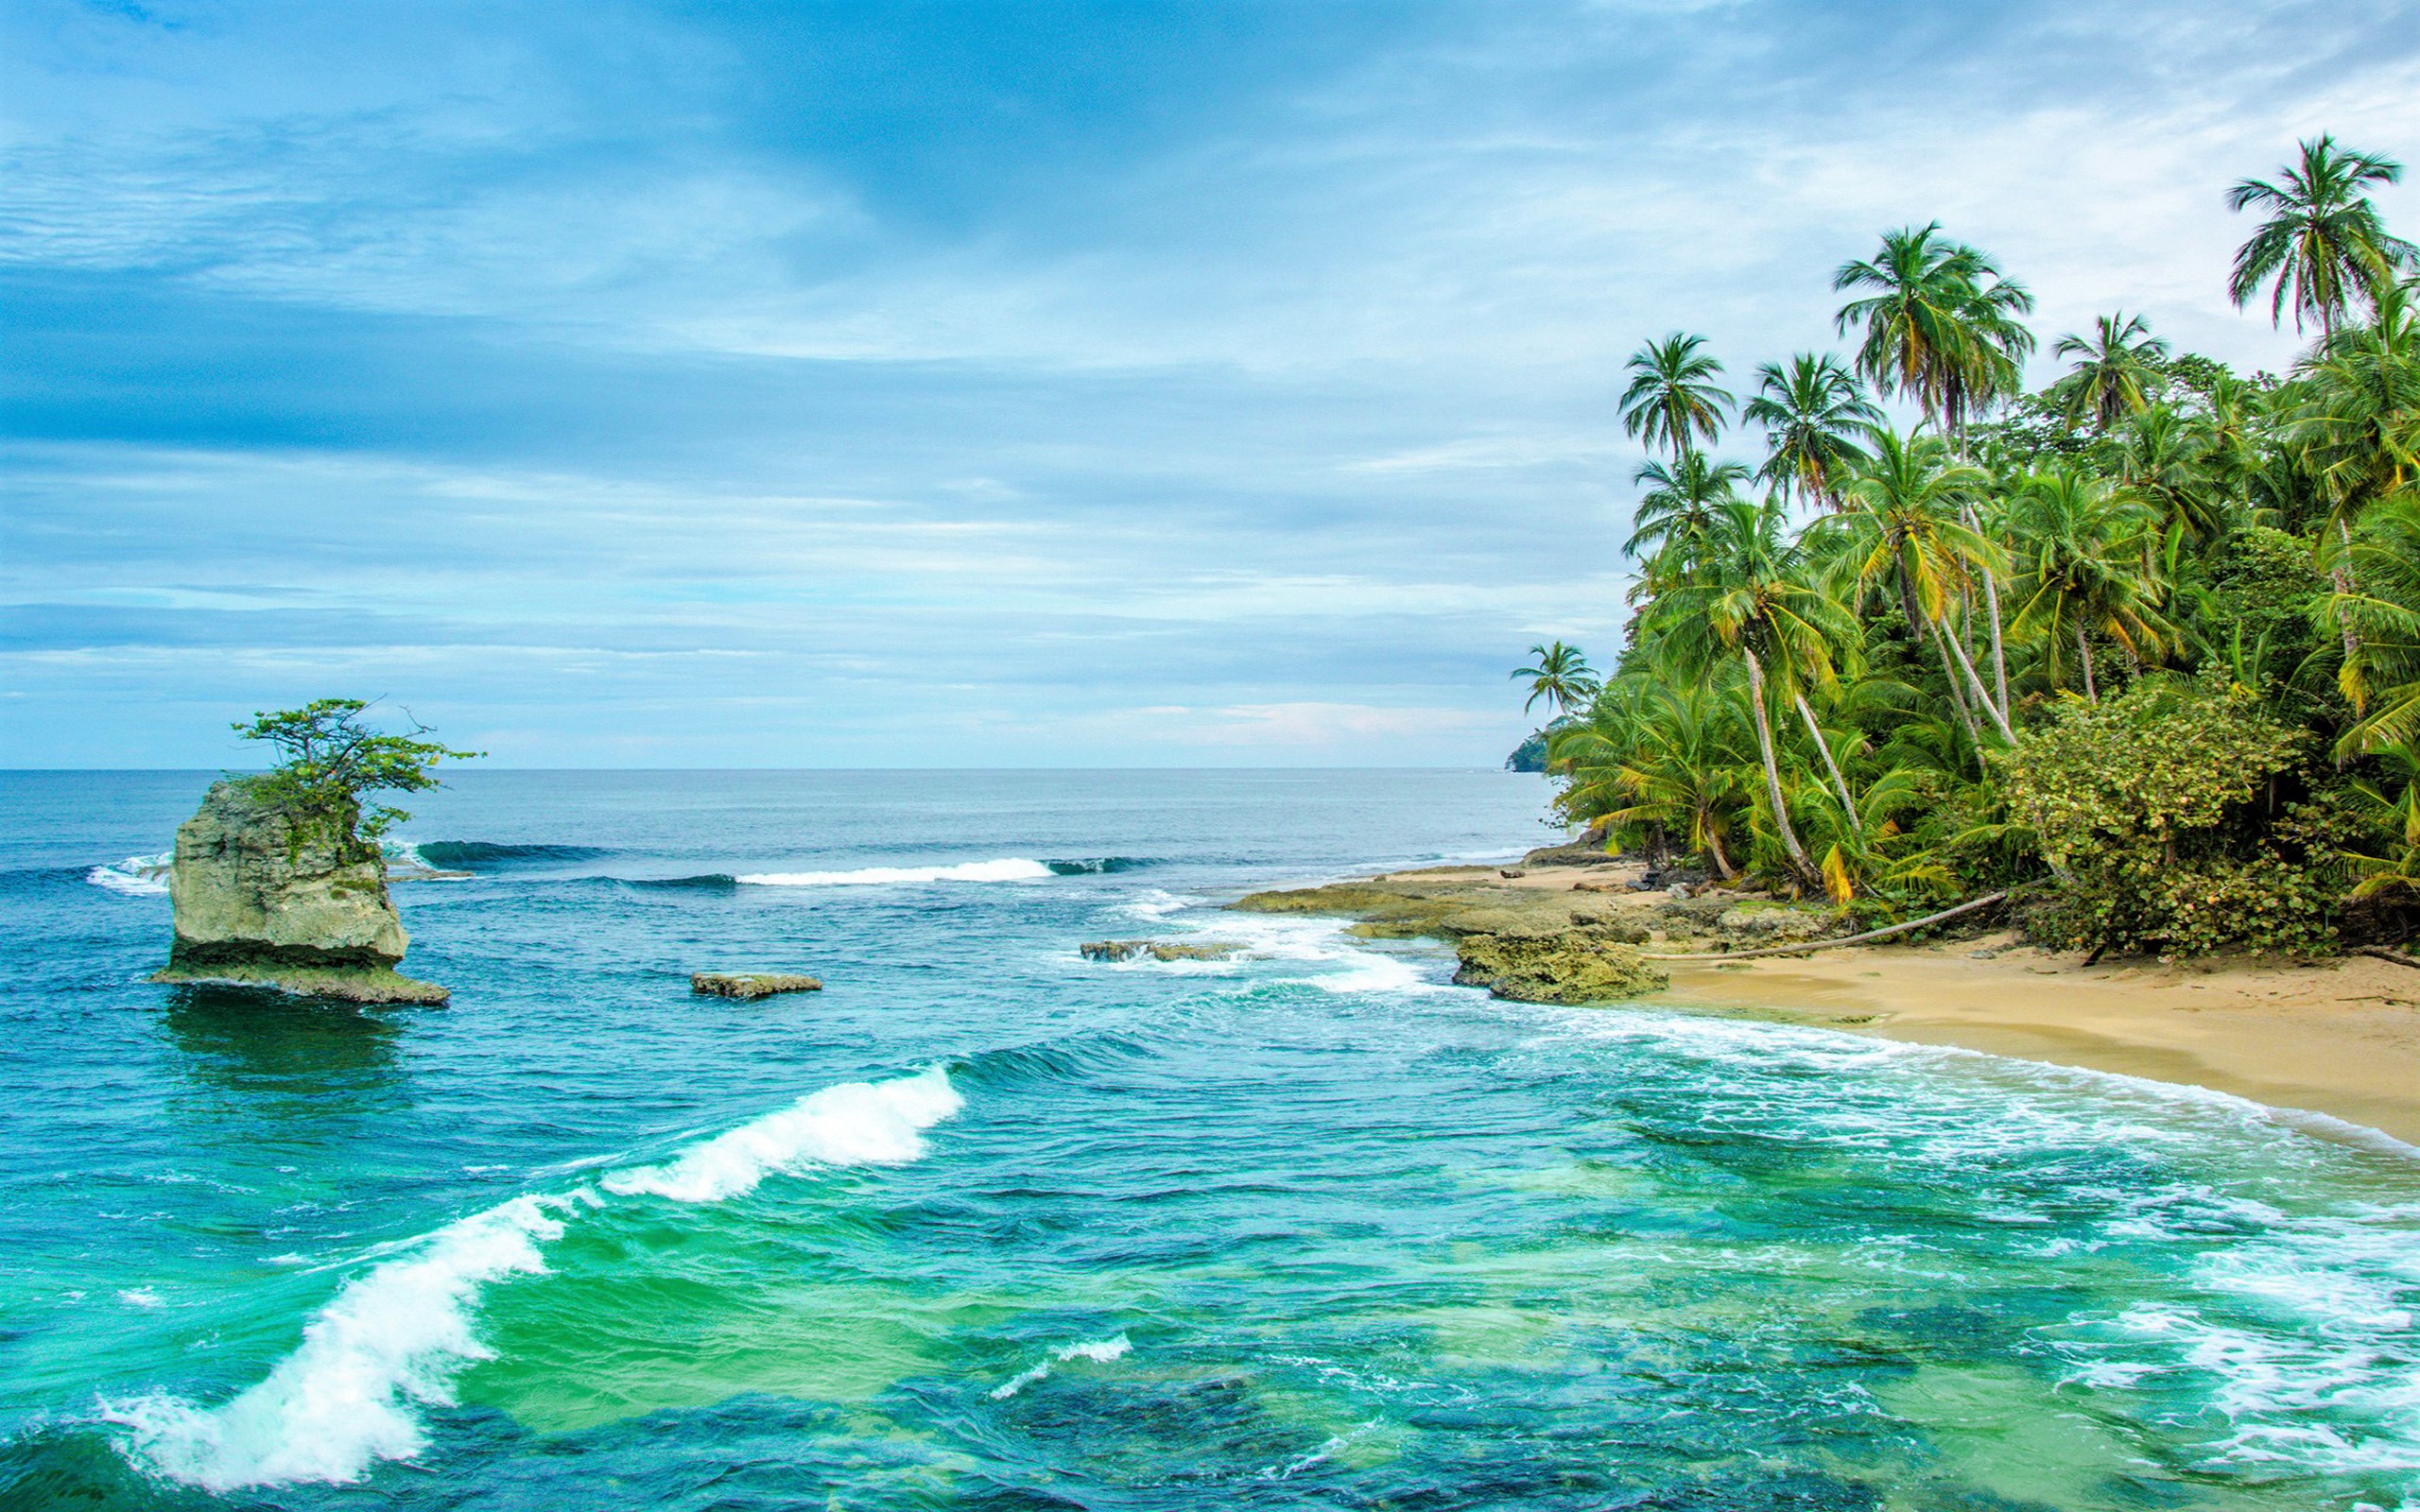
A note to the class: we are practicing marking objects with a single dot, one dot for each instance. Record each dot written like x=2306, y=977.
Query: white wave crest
x=853, y=1123
x=396, y=1335
x=1100, y=1351
x=399, y=1333
x=135, y=876
x=1008, y=870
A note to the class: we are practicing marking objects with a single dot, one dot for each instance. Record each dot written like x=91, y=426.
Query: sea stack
x=261, y=901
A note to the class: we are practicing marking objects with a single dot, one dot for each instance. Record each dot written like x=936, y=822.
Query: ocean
x=986, y=1225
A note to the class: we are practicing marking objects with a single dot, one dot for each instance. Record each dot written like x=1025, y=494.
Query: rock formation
x=262, y=901
x=751, y=985
x=1134, y=950
x=1583, y=965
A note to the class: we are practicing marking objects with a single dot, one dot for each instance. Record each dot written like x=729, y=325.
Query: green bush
x=2143, y=808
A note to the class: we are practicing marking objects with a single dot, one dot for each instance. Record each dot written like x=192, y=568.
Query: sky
x=989, y=384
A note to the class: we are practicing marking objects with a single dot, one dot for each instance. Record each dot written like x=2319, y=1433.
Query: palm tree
x=1672, y=397
x=1905, y=518
x=2323, y=244
x=1750, y=597
x=1939, y=325
x=1562, y=677
x=2114, y=368
x=1811, y=411
x=1674, y=513
x=2085, y=544
x=2166, y=460
x=1673, y=766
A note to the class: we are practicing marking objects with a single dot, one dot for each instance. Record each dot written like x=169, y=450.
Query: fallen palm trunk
x=1811, y=946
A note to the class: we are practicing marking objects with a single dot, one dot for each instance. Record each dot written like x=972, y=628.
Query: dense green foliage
x=2143, y=644
x=329, y=761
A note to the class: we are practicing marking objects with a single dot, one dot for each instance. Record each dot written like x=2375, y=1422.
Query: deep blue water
x=985, y=1225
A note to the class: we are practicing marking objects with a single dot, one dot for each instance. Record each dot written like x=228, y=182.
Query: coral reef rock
x=262, y=901
x=751, y=985
x=1136, y=949
x=1583, y=964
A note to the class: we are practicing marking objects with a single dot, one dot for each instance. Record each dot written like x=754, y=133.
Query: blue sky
x=987, y=385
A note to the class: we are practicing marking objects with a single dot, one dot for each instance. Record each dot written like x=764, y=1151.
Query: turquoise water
x=984, y=1225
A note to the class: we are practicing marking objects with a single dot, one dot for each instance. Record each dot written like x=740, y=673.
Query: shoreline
x=2340, y=1039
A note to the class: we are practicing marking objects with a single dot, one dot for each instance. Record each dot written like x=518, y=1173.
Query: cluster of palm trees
x=1833, y=642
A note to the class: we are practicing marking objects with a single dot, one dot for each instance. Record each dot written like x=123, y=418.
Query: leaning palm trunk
x=1723, y=865
x=1919, y=624
x=1982, y=696
x=2084, y=650
x=1806, y=868
x=1848, y=804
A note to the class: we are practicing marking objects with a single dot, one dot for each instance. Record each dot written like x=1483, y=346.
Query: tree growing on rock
x=329, y=761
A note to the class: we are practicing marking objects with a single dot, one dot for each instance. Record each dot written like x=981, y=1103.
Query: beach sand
x=2338, y=1038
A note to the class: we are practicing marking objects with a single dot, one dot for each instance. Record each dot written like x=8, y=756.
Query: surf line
x=395, y=1337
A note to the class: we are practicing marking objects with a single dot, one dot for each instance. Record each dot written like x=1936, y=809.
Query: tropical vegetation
x=330, y=759
x=2140, y=646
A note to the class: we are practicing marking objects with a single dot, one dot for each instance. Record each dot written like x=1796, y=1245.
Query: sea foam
x=399, y=1334
x=135, y=876
x=1005, y=870
x=853, y=1123
x=1100, y=1351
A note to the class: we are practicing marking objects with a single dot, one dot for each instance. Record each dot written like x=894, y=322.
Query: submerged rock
x=262, y=901
x=751, y=985
x=1136, y=949
x=1583, y=964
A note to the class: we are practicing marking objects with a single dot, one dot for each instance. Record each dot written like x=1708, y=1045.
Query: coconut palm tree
x=1676, y=769
x=1751, y=598
x=2166, y=460
x=2114, y=370
x=2322, y=246
x=1905, y=517
x=1560, y=676
x=1942, y=327
x=1673, y=514
x=1813, y=412
x=1939, y=325
x=1672, y=397
x=2084, y=544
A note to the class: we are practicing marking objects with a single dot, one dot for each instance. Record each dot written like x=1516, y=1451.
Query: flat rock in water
x=751, y=985
x=1136, y=949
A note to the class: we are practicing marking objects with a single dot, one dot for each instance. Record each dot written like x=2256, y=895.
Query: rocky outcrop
x=263, y=900
x=1583, y=965
x=751, y=985
x=1589, y=849
x=1136, y=949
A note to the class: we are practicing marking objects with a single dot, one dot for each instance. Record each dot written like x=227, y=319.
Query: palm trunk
x=2342, y=575
x=1991, y=606
x=1981, y=696
x=1847, y=804
x=1919, y=625
x=1806, y=868
x=1722, y=866
x=2084, y=650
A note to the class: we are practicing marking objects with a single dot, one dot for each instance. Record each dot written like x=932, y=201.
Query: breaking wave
x=394, y=1338
x=1098, y=866
x=135, y=876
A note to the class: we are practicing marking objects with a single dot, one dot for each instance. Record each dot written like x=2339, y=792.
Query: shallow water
x=986, y=1225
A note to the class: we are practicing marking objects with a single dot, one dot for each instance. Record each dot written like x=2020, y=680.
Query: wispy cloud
x=732, y=368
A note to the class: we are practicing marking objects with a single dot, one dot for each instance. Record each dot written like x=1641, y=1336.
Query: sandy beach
x=2338, y=1037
